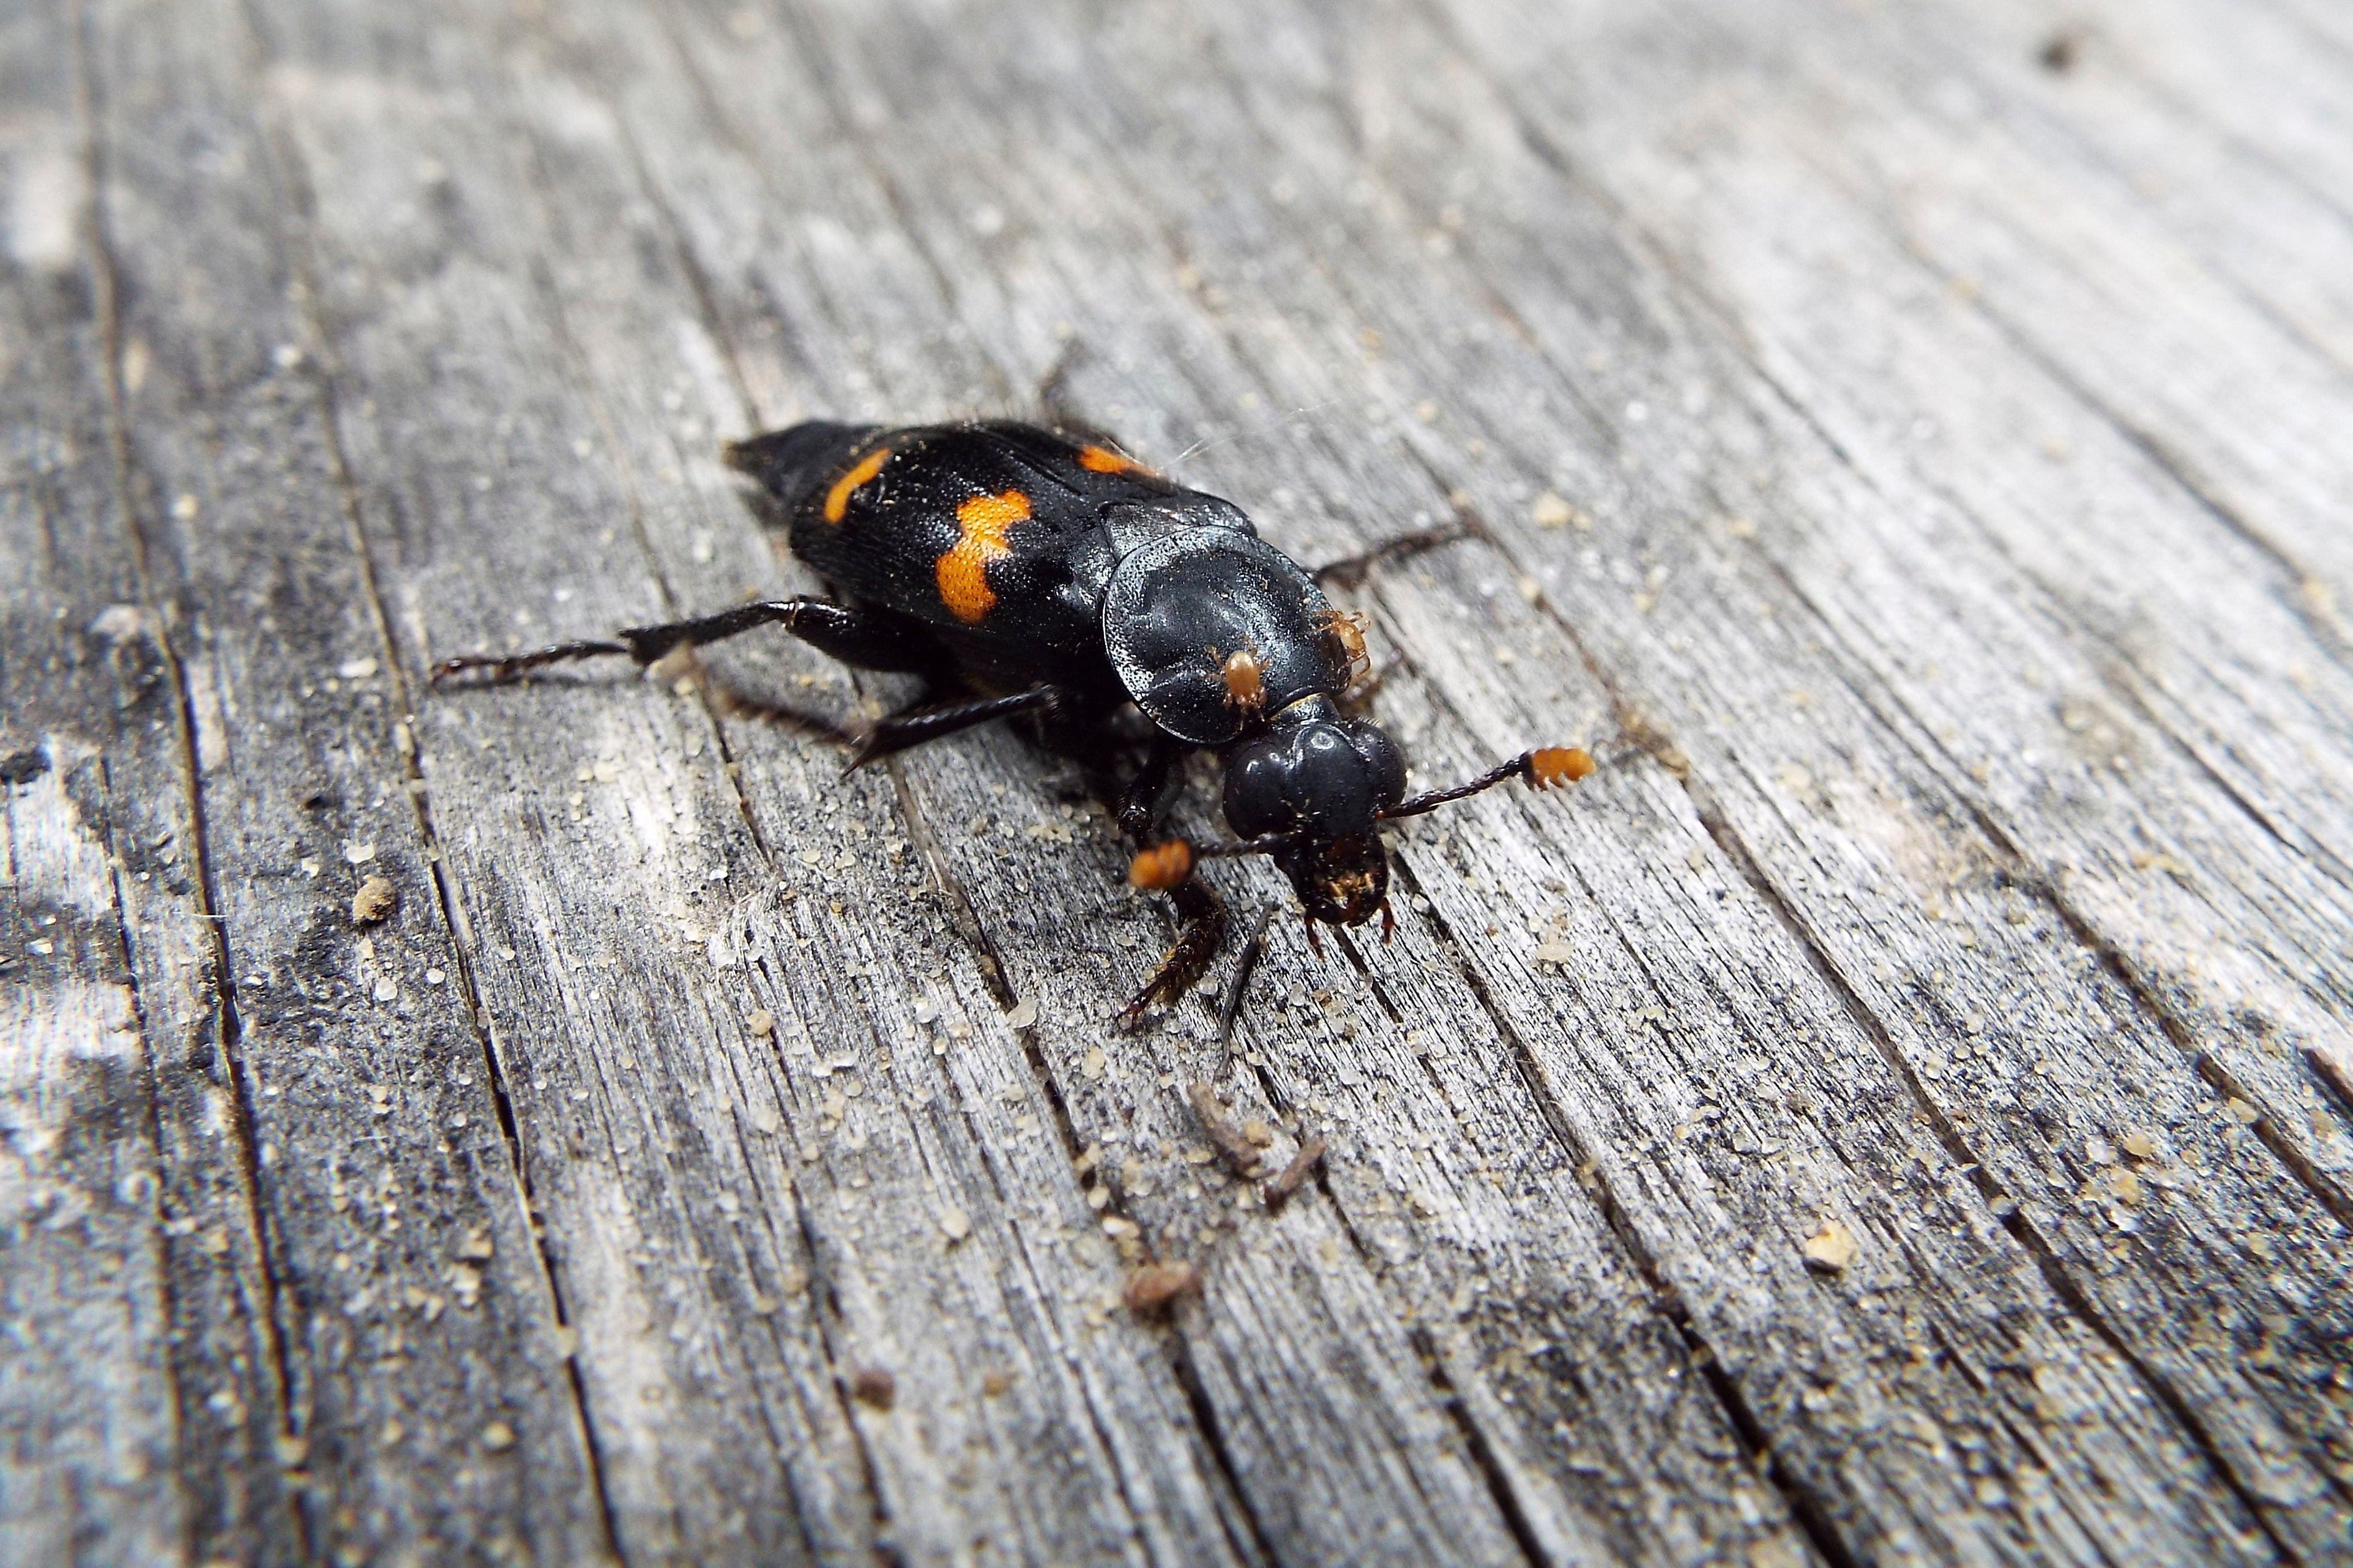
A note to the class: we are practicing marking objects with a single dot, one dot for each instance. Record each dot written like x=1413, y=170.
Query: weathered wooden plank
x=2217, y=123
x=89, y=1434
x=1972, y=872
x=431, y=1408
x=2254, y=657
x=144, y=1397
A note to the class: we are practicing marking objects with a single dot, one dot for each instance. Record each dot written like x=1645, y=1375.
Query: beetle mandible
x=1039, y=569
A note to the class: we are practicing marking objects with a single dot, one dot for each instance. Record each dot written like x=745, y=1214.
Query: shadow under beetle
x=1042, y=571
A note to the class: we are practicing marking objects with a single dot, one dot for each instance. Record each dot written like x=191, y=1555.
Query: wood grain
x=1897, y=1111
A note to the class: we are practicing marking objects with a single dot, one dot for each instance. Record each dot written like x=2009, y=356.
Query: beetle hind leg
x=855, y=636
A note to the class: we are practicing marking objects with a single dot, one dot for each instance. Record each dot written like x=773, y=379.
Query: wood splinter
x=1153, y=1289
x=1238, y=1153
x=1294, y=1176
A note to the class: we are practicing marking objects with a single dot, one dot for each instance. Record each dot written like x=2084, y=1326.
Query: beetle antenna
x=1543, y=768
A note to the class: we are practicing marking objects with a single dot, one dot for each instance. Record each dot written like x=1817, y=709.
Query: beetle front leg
x=1199, y=939
x=1140, y=804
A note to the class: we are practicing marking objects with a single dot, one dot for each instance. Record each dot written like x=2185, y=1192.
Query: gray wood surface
x=1901, y=1109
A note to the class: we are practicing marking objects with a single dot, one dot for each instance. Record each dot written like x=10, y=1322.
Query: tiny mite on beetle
x=1028, y=570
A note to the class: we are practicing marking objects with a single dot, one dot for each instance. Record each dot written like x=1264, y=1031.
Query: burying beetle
x=1046, y=573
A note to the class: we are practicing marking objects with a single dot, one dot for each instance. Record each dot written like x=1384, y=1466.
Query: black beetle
x=1042, y=571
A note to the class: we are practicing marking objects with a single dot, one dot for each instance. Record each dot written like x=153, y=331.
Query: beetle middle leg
x=919, y=723
x=1140, y=804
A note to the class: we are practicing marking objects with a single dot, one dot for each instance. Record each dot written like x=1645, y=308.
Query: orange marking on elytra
x=837, y=499
x=963, y=569
x=1103, y=460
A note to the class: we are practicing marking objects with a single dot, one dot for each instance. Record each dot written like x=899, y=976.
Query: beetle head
x=1318, y=778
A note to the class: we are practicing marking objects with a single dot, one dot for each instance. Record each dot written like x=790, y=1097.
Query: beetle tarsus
x=1181, y=968
x=497, y=669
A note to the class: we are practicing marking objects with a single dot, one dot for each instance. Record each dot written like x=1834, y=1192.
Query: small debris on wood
x=2139, y=1145
x=761, y=1022
x=2063, y=51
x=993, y=1384
x=1152, y=1288
x=374, y=900
x=1646, y=735
x=498, y=1436
x=1239, y=1154
x=874, y=1386
x=1294, y=1176
x=1023, y=1017
x=1553, y=510
x=954, y=1224
x=1830, y=1249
